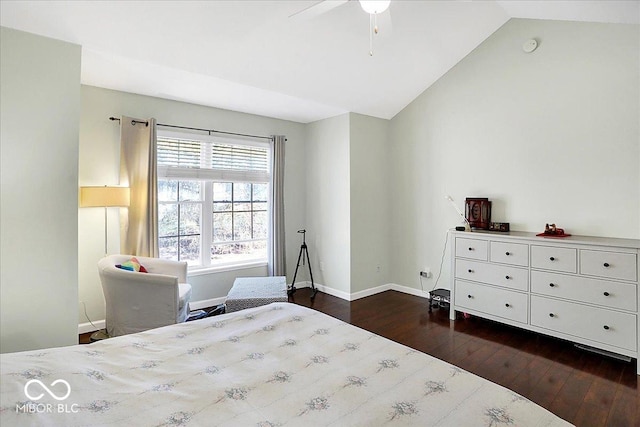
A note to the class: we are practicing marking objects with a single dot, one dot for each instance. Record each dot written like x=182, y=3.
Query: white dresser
x=579, y=288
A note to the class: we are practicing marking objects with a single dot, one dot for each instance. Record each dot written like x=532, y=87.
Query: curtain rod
x=146, y=123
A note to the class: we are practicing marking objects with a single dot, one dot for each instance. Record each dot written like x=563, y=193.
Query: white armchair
x=136, y=302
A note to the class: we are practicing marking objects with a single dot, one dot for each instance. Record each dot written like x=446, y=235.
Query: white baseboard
x=370, y=291
x=324, y=289
x=206, y=303
x=331, y=291
x=365, y=293
x=408, y=290
x=83, y=328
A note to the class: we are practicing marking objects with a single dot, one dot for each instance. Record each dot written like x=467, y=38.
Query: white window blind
x=191, y=158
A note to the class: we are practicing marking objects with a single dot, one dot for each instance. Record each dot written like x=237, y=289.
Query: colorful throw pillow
x=132, y=265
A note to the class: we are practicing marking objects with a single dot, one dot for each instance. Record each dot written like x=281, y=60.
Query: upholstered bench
x=250, y=292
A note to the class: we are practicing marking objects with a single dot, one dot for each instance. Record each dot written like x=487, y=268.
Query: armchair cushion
x=132, y=265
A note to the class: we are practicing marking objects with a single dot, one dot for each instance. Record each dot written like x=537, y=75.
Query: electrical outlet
x=426, y=273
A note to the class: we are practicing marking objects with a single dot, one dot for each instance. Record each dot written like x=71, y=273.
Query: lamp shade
x=104, y=196
x=375, y=6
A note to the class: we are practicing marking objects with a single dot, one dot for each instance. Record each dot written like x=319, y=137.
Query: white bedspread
x=275, y=365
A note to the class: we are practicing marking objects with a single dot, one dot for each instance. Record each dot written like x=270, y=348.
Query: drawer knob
x=507, y=277
x=552, y=259
x=606, y=264
x=469, y=296
x=552, y=315
x=606, y=294
x=507, y=305
x=507, y=253
x=606, y=327
x=551, y=284
x=470, y=270
x=470, y=249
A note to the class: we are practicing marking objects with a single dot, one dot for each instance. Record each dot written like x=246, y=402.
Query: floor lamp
x=104, y=197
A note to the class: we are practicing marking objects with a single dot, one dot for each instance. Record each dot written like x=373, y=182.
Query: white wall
x=369, y=201
x=39, y=116
x=99, y=165
x=550, y=136
x=328, y=203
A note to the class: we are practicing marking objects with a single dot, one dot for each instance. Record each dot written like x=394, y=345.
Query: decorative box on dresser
x=579, y=288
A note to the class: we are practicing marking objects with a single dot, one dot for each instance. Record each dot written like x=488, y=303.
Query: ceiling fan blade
x=317, y=9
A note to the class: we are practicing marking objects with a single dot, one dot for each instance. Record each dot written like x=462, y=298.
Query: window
x=240, y=221
x=213, y=200
x=180, y=208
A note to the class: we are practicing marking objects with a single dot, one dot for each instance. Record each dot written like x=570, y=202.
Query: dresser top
x=573, y=239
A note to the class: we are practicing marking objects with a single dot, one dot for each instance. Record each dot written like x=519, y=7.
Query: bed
x=275, y=365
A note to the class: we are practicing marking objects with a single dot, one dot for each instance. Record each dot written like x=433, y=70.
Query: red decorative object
x=478, y=212
x=553, y=236
x=553, y=231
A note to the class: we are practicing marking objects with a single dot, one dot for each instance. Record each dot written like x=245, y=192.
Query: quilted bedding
x=275, y=365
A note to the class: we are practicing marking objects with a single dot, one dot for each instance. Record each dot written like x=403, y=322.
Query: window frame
x=178, y=203
x=207, y=177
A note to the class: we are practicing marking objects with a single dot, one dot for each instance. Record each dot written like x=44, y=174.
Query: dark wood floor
x=583, y=388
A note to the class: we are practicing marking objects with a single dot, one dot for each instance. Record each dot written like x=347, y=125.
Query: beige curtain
x=138, y=170
x=277, y=253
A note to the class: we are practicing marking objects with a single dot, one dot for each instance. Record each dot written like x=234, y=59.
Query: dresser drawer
x=622, y=296
x=596, y=324
x=497, y=302
x=498, y=275
x=554, y=258
x=613, y=265
x=471, y=248
x=510, y=253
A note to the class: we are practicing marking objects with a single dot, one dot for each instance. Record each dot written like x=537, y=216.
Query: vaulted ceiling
x=255, y=57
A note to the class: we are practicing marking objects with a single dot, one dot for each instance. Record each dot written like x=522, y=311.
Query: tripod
x=303, y=248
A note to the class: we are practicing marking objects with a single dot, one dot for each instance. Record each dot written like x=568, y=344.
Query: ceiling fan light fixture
x=374, y=6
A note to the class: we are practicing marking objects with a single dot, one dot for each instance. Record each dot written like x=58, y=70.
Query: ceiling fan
x=372, y=7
